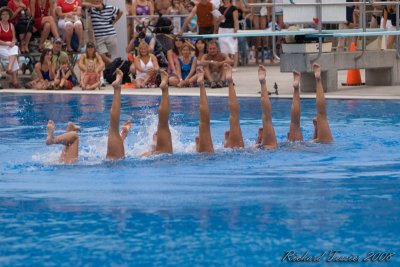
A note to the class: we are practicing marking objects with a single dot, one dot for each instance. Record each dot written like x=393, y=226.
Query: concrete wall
x=121, y=28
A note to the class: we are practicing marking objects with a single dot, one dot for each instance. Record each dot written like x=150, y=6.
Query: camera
x=140, y=28
x=141, y=35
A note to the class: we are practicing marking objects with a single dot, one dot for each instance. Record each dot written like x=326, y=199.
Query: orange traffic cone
x=353, y=75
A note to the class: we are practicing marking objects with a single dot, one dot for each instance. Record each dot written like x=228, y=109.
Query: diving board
x=311, y=32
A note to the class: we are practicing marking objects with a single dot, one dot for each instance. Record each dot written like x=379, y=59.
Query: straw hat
x=6, y=9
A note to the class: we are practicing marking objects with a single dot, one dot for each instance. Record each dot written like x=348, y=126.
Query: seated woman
x=43, y=15
x=93, y=60
x=172, y=56
x=186, y=67
x=64, y=77
x=69, y=20
x=8, y=49
x=45, y=72
x=22, y=21
x=146, y=67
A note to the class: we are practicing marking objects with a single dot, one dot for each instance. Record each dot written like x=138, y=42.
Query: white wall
x=121, y=28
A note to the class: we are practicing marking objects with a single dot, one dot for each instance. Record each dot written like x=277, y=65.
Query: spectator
x=260, y=18
x=69, y=14
x=200, y=50
x=174, y=10
x=146, y=67
x=92, y=62
x=161, y=6
x=377, y=15
x=133, y=46
x=43, y=14
x=229, y=45
x=91, y=78
x=213, y=63
x=173, y=55
x=23, y=22
x=142, y=8
x=103, y=20
x=64, y=77
x=349, y=24
x=45, y=72
x=86, y=18
x=58, y=54
x=186, y=67
x=205, y=12
x=193, y=22
x=389, y=23
x=8, y=49
x=139, y=36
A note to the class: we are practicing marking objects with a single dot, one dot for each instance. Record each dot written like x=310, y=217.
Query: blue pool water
x=233, y=208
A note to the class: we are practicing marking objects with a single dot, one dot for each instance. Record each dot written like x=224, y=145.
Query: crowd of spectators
x=56, y=28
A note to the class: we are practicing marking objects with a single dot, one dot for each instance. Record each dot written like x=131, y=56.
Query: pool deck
x=247, y=85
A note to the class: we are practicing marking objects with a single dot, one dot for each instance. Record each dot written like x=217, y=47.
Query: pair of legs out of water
x=233, y=137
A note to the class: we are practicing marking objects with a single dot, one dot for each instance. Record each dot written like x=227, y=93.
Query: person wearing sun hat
x=58, y=54
x=8, y=49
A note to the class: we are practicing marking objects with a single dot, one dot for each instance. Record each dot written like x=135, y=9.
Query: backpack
x=123, y=65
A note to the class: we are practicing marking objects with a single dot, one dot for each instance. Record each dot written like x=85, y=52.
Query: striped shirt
x=102, y=20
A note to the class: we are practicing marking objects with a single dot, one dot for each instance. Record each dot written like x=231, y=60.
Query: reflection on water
x=234, y=208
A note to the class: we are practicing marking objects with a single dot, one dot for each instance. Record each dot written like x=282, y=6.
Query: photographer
x=140, y=35
x=22, y=19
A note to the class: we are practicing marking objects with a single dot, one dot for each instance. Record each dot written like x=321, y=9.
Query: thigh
x=111, y=43
x=101, y=45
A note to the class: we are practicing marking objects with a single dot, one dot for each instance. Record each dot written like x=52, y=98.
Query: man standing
x=206, y=12
x=103, y=20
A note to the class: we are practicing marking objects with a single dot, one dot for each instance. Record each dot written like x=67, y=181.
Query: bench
x=381, y=67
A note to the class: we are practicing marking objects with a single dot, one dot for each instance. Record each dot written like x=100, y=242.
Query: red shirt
x=11, y=4
x=39, y=13
x=66, y=7
x=6, y=36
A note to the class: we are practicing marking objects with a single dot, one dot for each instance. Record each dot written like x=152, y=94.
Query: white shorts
x=62, y=23
x=6, y=52
x=107, y=45
x=228, y=45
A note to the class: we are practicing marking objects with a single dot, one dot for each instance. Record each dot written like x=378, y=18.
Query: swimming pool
x=234, y=208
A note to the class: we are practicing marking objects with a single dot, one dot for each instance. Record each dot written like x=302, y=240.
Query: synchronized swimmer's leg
x=70, y=140
x=233, y=137
x=203, y=141
x=115, y=144
x=323, y=131
x=295, y=132
x=268, y=132
x=164, y=141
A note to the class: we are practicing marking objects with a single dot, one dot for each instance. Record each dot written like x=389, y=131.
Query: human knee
x=46, y=26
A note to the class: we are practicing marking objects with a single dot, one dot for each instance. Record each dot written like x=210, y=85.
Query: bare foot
x=296, y=79
x=164, y=80
x=200, y=76
x=228, y=72
x=50, y=132
x=197, y=140
x=72, y=127
x=125, y=128
x=227, y=135
x=118, y=79
x=262, y=73
x=317, y=71
x=259, y=136
x=314, y=121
